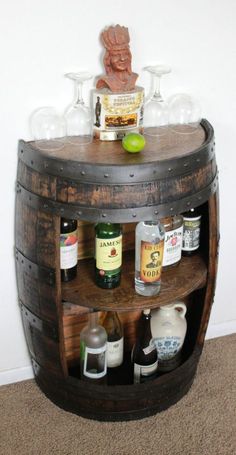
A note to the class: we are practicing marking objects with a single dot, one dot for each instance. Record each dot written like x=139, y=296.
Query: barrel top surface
x=158, y=148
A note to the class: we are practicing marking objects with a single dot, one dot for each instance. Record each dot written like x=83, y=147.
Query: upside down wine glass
x=155, y=120
x=78, y=116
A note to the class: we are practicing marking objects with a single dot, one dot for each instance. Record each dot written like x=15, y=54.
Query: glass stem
x=156, y=83
x=78, y=92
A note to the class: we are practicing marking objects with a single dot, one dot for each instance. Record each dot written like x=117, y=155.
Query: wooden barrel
x=101, y=182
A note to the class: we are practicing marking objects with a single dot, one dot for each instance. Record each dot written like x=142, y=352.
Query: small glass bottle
x=144, y=353
x=149, y=246
x=108, y=255
x=68, y=249
x=173, y=226
x=191, y=231
x=93, y=347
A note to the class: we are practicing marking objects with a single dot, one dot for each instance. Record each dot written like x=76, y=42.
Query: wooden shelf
x=177, y=283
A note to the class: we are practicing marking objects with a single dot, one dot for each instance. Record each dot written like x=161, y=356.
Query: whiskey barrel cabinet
x=101, y=182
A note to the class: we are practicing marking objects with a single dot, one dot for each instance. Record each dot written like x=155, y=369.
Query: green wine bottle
x=108, y=255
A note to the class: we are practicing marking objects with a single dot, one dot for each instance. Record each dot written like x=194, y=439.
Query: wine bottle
x=108, y=255
x=93, y=347
x=115, y=339
x=144, y=353
x=68, y=249
x=149, y=247
x=191, y=232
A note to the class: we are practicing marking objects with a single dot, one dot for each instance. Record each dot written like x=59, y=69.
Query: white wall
x=41, y=40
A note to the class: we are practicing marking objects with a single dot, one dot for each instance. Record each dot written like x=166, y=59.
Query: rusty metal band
x=45, y=274
x=117, y=174
x=47, y=328
x=128, y=215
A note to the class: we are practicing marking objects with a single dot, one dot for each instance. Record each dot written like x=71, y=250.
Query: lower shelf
x=119, y=402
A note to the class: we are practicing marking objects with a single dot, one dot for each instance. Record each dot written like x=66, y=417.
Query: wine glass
x=184, y=113
x=155, y=119
x=48, y=128
x=78, y=116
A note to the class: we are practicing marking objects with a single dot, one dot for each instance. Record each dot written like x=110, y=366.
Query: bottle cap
x=146, y=311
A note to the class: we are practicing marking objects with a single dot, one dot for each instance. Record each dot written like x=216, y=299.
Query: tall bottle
x=191, y=231
x=173, y=226
x=144, y=354
x=149, y=247
x=115, y=346
x=108, y=255
x=68, y=249
x=93, y=346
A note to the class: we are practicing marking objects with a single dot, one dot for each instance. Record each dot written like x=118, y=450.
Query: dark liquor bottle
x=191, y=232
x=144, y=353
x=115, y=346
x=93, y=348
x=108, y=255
x=68, y=249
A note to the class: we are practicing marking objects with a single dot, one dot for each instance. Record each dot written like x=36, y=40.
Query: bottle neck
x=93, y=320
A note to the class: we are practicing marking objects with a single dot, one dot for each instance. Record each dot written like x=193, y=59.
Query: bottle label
x=115, y=351
x=143, y=371
x=173, y=246
x=68, y=250
x=108, y=253
x=151, y=261
x=95, y=362
x=191, y=233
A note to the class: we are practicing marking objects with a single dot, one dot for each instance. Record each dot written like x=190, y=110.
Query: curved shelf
x=177, y=283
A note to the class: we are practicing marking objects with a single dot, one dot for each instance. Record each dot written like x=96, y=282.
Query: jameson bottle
x=93, y=346
x=149, y=247
x=68, y=249
x=115, y=346
x=191, y=232
x=144, y=353
x=108, y=255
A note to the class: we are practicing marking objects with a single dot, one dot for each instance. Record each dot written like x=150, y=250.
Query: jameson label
x=191, y=234
x=68, y=250
x=173, y=246
x=151, y=261
x=108, y=253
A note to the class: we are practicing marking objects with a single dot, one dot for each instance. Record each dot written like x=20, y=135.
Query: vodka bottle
x=149, y=246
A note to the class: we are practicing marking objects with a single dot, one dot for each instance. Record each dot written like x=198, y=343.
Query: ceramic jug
x=168, y=326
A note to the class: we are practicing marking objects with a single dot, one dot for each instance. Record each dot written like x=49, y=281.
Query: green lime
x=133, y=142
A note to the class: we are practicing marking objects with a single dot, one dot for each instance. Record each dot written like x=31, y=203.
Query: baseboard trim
x=16, y=375
x=24, y=373
x=220, y=330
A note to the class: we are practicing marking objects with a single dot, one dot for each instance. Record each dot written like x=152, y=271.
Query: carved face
x=120, y=61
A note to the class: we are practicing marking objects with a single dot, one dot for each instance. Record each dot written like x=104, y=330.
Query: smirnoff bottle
x=149, y=247
x=108, y=255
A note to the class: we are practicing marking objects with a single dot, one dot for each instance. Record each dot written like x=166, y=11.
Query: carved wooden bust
x=117, y=61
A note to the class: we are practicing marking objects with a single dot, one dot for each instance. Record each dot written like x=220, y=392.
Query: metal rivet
x=32, y=162
x=199, y=198
x=104, y=215
x=61, y=210
x=134, y=215
x=169, y=169
x=34, y=320
x=79, y=213
x=61, y=169
x=30, y=198
x=45, y=165
x=188, y=203
x=185, y=164
x=171, y=209
x=45, y=206
x=22, y=151
x=132, y=175
x=106, y=175
x=156, y=212
x=82, y=173
x=22, y=261
x=30, y=267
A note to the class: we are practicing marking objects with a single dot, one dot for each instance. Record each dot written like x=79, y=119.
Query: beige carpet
x=202, y=423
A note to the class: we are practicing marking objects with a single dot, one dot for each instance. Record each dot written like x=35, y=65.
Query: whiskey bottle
x=93, y=347
x=68, y=249
x=149, y=246
x=108, y=255
x=144, y=353
x=173, y=226
x=191, y=231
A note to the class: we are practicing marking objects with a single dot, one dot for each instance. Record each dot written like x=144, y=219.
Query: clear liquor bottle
x=149, y=247
x=93, y=350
